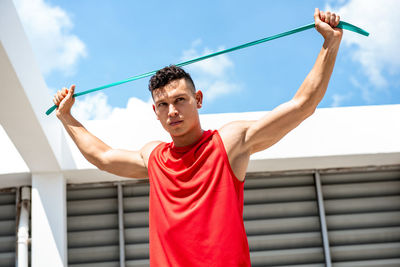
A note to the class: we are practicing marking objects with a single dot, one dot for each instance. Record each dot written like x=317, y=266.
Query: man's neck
x=188, y=138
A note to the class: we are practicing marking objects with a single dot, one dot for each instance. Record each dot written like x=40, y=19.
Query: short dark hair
x=168, y=74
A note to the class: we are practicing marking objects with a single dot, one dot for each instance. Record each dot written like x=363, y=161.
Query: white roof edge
x=343, y=137
x=94, y=175
x=324, y=162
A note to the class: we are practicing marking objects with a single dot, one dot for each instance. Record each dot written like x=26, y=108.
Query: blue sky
x=92, y=43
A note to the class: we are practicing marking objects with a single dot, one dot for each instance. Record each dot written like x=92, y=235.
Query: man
x=196, y=182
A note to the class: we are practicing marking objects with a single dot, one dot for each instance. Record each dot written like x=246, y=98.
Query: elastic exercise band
x=342, y=25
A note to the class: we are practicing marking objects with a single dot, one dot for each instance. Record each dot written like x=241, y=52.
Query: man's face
x=176, y=106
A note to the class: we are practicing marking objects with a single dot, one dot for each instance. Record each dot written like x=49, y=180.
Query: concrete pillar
x=49, y=223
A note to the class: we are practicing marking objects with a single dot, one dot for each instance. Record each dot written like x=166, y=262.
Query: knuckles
x=328, y=17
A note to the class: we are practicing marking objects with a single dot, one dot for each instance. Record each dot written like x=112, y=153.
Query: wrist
x=332, y=42
x=65, y=117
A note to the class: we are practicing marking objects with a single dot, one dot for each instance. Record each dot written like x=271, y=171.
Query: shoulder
x=234, y=130
x=233, y=136
x=146, y=150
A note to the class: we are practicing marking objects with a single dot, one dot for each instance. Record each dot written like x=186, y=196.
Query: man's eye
x=180, y=99
x=162, y=104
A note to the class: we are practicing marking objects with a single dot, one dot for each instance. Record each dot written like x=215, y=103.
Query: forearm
x=316, y=83
x=90, y=146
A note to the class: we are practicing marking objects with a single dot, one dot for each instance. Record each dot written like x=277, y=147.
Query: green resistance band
x=342, y=25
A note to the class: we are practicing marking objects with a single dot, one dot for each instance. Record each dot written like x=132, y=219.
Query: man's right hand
x=64, y=100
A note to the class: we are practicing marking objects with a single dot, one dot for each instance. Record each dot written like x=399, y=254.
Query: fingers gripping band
x=342, y=25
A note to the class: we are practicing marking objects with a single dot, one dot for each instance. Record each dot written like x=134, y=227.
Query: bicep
x=124, y=163
x=268, y=130
x=127, y=163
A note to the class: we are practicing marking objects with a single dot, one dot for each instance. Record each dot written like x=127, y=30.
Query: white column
x=24, y=97
x=49, y=223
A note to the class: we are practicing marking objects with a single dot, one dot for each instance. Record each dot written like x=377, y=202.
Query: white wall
x=331, y=138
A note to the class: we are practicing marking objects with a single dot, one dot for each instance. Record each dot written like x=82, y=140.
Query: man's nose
x=172, y=112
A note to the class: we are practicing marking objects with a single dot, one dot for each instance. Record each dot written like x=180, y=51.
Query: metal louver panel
x=282, y=222
x=281, y=216
x=363, y=217
x=136, y=221
x=92, y=227
x=7, y=227
x=281, y=219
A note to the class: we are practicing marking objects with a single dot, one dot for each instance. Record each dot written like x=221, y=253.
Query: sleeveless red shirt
x=195, y=206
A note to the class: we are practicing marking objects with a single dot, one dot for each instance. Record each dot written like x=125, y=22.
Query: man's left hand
x=325, y=23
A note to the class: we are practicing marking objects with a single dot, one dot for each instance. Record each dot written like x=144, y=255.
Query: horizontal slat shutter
x=281, y=219
x=363, y=217
x=282, y=222
x=92, y=227
x=136, y=221
x=7, y=227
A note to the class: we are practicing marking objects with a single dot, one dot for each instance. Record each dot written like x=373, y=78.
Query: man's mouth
x=173, y=123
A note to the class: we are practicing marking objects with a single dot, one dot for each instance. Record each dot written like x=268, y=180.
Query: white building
x=329, y=192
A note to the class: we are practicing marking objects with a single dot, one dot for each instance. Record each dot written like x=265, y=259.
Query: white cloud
x=213, y=76
x=136, y=110
x=338, y=99
x=130, y=127
x=49, y=31
x=214, y=67
x=94, y=107
x=378, y=54
x=366, y=92
x=219, y=87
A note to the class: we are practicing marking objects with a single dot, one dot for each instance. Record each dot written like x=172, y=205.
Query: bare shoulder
x=234, y=129
x=233, y=135
x=146, y=150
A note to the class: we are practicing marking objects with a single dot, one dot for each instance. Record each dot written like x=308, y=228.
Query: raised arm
x=243, y=138
x=125, y=163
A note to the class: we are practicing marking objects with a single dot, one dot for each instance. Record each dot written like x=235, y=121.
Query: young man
x=196, y=182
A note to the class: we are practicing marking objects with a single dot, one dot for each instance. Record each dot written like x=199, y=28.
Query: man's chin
x=176, y=131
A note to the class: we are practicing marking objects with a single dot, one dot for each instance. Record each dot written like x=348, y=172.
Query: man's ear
x=154, y=109
x=199, y=98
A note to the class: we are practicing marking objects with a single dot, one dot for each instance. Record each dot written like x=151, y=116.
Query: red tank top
x=196, y=206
